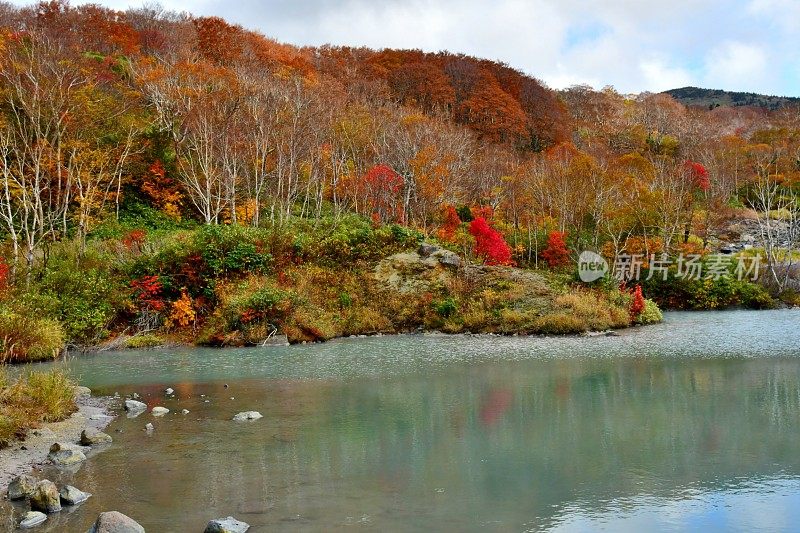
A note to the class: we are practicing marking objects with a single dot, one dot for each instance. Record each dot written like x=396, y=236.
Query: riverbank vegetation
x=32, y=399
x=170, y=177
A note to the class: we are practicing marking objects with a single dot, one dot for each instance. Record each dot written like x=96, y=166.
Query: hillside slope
x=711, y=98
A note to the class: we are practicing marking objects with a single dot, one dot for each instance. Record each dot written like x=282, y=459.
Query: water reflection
x=494, y=443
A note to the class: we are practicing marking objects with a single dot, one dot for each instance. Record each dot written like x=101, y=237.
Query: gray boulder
x=45, y=497
x=135, y=407
x=425, y=249
x=93, y=437
x=72, y=496
x=115, y=522
x=247, y=415
x=448, y=258
x=226, y=525
x=32, y=519
x=159, y=411
x=62, y=454
x=21, y=487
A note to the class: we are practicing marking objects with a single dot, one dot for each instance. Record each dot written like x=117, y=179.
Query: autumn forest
x=123, y=133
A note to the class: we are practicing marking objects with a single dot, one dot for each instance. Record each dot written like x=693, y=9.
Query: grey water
x=693, y=424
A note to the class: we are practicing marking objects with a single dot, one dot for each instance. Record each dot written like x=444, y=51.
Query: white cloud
x=739, y=66
x=659, y=76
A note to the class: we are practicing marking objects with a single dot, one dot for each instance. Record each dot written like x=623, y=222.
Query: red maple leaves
x=489, y=244
x=556, y=254
x=637, y=304
x=147, y=291
x=699, y=175
x=383, y=187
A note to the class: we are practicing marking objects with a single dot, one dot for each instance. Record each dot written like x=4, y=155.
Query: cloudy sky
x=634, y=45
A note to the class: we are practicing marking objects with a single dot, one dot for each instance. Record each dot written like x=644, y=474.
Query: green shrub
x=232, y=249
x=25, y=337
x=144, y=341
x=683, y=293
x=445, y=308
x=651, y=313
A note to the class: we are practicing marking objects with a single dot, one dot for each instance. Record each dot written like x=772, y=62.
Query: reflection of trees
x=510, y=441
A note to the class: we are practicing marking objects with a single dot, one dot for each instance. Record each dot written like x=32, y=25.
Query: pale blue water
x=689, y=425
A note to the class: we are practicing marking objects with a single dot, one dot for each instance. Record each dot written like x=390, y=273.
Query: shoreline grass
x=31, y=399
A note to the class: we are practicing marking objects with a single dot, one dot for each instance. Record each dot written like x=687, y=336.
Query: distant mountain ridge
x=710, y=98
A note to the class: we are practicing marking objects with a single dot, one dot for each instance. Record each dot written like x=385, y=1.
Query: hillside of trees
x=712, y=98
x=123, y=133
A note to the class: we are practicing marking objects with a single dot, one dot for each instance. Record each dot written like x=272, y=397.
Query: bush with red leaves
x=5, y=274
x=489, y=244
x=556, y=254
x=451, y=223
x=383, y=188
x=637, y=303
x=147, y=291
x=699, y=175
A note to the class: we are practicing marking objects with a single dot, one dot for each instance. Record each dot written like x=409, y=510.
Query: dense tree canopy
x=205, y=120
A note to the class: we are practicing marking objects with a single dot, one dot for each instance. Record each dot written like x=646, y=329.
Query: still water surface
x=689, y=425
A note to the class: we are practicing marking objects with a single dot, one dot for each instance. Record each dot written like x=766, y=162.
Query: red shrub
x=699, y=175
x=637, y=304
x=556, y=254
x=383, y=187
x=489, y=244
x=451, y=223
x=134, y=239
x=5, y=274
x=147, y=290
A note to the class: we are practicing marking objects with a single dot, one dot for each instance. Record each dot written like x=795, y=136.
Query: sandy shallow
x=25, y=456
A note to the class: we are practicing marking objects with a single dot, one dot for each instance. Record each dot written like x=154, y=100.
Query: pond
x=690, y=424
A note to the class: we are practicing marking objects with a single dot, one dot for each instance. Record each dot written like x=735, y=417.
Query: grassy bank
x=312, y=281
x=32, y=399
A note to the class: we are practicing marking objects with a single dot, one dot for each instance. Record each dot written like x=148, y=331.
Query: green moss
x=144, y=341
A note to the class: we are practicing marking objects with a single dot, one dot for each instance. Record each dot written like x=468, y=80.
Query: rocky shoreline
x=23, y=457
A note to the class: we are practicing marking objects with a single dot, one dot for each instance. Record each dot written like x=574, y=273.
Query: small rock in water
x=62, y=454
x=247, y=415
x=72, y=496
x=232, y=398
x=185, y=412
x=115, y=522
x=45, y=497
x=226, y=525
x=205, y=401
x=93, y=436
x=135, y=396
x=149, y=427
x=226, y=385
x=169, y=391
x=159, y=411
x=21, y=487
x=135, y=408
x=202, y=395
x=32, y=519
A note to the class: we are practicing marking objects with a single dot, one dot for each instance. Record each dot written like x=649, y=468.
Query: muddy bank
x=26, y=456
